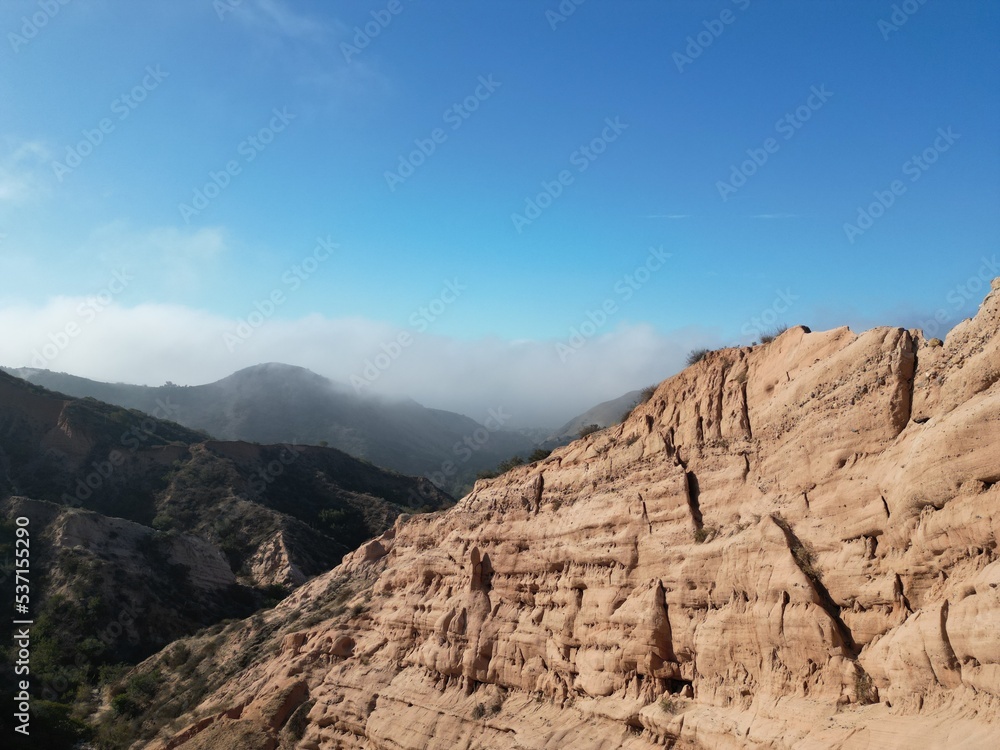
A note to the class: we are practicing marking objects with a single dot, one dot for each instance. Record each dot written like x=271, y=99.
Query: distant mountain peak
x=271, y=369
x=275, y=402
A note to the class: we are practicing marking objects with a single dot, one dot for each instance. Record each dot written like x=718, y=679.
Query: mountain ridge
x=603, y=415
x=276, y=402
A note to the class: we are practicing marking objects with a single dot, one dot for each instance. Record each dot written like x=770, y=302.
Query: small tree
x=767, y=338
x=644, y=395
x=539, y=454
x=589, y=430
x=510, y=463
x=697, y=355
x=502, y=468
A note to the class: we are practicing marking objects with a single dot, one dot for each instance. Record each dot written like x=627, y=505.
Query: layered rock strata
x=789, y=546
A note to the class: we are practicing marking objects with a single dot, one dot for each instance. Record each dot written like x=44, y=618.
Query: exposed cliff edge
x=791, y=545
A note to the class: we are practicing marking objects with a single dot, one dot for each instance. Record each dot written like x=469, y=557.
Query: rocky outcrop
x=88, y=535
x=791, y=545
x=271, y=564
x=129, y=544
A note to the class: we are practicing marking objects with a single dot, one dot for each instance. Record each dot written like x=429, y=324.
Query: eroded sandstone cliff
x=790, y=545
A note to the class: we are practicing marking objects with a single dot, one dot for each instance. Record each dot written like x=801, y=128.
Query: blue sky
x=847, y=97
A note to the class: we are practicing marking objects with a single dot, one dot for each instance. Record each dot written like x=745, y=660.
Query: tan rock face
x=272, y=564
x=788, y=546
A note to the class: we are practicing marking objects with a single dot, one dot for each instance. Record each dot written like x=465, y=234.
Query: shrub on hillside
x=539, y=454
x=502, y=468
x=697, y=355
x=767, y=338
x=669, y=705
x=644, y=395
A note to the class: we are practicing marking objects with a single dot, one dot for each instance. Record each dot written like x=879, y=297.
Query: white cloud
x=334, y=85
x=275, y=17
x=290, y=23
x=153, y=343
x=176, y=258
x=23, y=171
